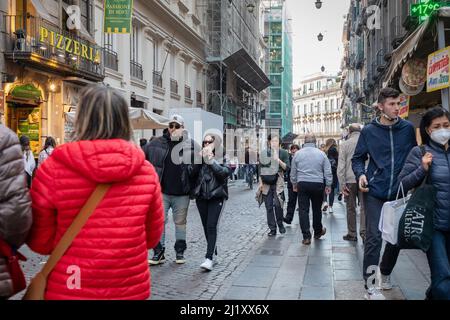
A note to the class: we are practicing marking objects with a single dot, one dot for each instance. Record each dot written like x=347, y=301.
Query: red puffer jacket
x=111, y=249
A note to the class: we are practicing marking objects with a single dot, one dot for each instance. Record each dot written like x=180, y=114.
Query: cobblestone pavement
x=253, y=266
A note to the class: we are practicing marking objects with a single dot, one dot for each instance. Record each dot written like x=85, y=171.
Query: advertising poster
x=438, y=70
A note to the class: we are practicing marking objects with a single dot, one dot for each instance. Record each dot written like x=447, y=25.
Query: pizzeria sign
x=69, y=45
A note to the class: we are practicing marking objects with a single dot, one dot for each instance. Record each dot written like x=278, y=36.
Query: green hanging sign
x=117, y=16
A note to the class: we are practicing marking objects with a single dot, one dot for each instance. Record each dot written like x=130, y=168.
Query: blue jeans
x=439, y=261
x=179, y=206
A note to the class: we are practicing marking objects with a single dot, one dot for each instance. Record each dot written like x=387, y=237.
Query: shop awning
x=140, y=119
x=41, y=11
x=247, y=69
x=407, y=49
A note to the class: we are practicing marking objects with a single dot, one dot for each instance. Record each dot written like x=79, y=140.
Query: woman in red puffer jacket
x=110, y=253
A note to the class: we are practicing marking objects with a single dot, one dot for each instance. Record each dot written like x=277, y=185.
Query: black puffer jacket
x=413, y=174
x=211, y=180
x=157, y=150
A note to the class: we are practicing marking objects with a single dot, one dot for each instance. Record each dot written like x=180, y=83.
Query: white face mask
x=440, y=136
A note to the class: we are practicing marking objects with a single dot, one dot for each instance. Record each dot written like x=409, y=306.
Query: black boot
x=158, y=256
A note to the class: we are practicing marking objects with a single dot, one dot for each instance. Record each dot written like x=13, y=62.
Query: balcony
x=136, y=70
x=110, y=59
x=157, y=79
x=41, y=45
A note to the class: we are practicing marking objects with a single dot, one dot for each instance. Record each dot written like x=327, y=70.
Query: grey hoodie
x=15, y=203
x=311, y=165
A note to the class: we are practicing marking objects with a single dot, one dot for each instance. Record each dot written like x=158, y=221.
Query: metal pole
x=441, y=41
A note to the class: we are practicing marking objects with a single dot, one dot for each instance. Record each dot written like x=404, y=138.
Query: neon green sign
x=424, y=9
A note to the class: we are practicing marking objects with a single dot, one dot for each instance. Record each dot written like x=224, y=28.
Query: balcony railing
x=187, y=92
x=136, y=70
x=157, y=79
x=111, y=59
x=37, y=42
x=173, y=86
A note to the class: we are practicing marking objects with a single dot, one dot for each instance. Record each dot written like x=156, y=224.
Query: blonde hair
x=102, y=113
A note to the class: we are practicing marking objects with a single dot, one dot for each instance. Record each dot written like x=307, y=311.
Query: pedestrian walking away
x=211, y=192
x=387, y=140
x=349, y=187
x=333, y=156
x=49, y=146
x=15, y=207
x=171, y=156
x=273, y=163
x=311, y=176
x=434, y=163
x=292, y=196
x=110, y=252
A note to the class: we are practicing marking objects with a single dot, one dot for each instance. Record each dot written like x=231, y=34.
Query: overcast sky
x=307, y=22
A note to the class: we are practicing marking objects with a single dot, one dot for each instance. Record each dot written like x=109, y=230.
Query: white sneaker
x=207, y=265
x=385, y=282
x=374, y=294
x=330, y=210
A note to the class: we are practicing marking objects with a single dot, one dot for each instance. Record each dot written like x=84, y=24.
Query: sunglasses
x=207, y=142
x=174, y=125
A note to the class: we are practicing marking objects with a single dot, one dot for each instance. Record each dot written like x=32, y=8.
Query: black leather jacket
x=157, y=150
x=211, y=180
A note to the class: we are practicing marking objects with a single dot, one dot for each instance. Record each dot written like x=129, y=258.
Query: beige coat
x=264, y=188
x=15, y=203
x=347, y=149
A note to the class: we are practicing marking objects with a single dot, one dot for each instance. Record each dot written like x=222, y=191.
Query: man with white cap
x=171, y=154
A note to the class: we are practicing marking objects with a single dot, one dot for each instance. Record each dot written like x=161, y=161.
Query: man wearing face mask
x=387, y=141
x=171, y=155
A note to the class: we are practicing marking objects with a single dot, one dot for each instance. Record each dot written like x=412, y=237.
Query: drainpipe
x=441, y=41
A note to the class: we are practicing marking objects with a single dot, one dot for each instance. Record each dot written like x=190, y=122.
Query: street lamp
x=322, y=69
x=318, y=4
x=281, y=69
x=320, y=36
x=266, y=39
x=251, y=7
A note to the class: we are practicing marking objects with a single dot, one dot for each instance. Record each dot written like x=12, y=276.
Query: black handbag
x=270, y=179
x=416, y=227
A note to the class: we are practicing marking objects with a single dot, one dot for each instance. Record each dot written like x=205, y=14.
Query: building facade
x=160, y=65
x=317, y=108
x=278, y=32
x=374, y=33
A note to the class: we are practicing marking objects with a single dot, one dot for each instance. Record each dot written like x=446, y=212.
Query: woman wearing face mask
x=435, y=133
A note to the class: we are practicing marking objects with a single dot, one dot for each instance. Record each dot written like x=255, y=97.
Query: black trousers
x=210, y=212
x=310, y=192
x=274, y=209
x=292, y=202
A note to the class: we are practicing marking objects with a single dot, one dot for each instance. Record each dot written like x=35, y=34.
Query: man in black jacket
x=171, y=155
x=292, y=196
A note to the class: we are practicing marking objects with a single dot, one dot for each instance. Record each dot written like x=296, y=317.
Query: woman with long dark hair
x=49, y=146
x=434, y=162
x=211, y=192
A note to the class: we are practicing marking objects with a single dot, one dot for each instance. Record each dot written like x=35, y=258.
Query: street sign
x=117, y=16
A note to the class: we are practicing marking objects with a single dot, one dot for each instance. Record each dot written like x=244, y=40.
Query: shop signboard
x=28, y=124
x=117, y=16
x=404, y=106
x=438, y=73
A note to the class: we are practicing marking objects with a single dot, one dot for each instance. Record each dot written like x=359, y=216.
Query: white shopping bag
x=390, y=217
